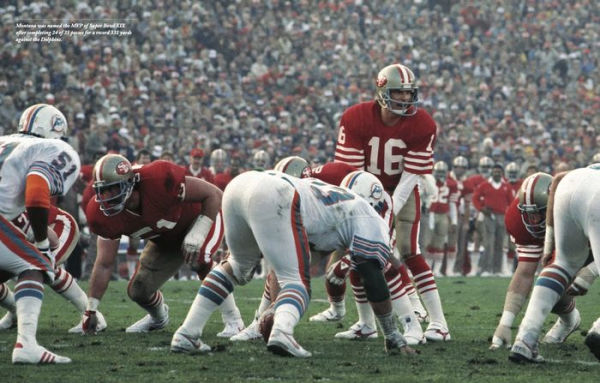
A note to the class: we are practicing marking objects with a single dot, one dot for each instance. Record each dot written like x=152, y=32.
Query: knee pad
x=373, y=280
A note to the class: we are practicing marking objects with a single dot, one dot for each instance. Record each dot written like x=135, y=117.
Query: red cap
x=197, y=153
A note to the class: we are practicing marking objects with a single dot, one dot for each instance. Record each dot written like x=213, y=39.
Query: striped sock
x=290, y=305
x=65, y=285
x=550, y=285
x=215, y=288
x=365, y=312
x=28, y=298
x=7, y=298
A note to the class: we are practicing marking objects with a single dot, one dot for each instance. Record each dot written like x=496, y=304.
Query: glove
x=502, y=337
x=336, y=274
x=89, y=322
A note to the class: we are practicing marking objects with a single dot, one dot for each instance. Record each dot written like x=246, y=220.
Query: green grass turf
x=472, y=306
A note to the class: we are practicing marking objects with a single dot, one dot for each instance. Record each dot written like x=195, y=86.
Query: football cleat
x=231, y=329
x=101, y=326
x=502, y=338
x=148, y=323
x=8, y=321
x=521, y=352
x=182, y=343
x=284, y=344
x=36, y=354
x=358, y=331
x=561, y=330
x=327, y=316
x=413, y=332
x=249, y=333
x=437, y=334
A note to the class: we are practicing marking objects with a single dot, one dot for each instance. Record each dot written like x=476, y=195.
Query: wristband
x=92, y=304
x=45, y=244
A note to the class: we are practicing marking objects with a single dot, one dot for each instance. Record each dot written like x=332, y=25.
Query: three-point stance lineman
x=283, y=218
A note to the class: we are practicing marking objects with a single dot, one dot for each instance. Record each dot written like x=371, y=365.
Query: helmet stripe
x=402, y=73
x=353, y=180
x=98, y=168
x=530, y=191
x=31, y=117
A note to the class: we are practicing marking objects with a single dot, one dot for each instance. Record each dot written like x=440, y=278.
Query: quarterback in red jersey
x=393, y=139
x=526, y=225
x=177, y=215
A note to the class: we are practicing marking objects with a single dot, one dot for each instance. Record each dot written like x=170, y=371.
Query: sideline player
x=35, y=164
x=177, y=216
x=393, y=139
x=283, y=217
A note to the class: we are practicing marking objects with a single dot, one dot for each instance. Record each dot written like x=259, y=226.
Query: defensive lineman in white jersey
x=34, y=165
x=283, y=218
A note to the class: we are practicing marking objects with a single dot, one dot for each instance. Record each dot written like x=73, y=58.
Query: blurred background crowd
x=515, y=80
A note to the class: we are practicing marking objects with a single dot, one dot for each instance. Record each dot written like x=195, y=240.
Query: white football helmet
x=440, y=171
x=512, y=171
x=261, y=159
x=294, y=166
x=43, y=120
x=485, y=166
x=367, y=186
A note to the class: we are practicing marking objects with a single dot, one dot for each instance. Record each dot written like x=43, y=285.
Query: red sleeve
x=478, y=197
x=164, y=180
x=349, y=146
x=333, y=172
x=88, y=194
x=419, y=158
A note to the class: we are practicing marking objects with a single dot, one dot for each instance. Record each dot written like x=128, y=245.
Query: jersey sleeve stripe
x=427, y=153
x=350, y=157
x=53, y=177
x=348, y=149
x=418, y=160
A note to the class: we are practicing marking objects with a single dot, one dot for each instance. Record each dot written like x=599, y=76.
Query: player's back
x=21, y=155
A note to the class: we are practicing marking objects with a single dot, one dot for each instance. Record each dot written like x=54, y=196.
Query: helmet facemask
x=534, y=219
x=113, y=196
x=113, y=183
x=392, y=78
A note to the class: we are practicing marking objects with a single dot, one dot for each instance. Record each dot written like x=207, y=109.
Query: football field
x=472, y=306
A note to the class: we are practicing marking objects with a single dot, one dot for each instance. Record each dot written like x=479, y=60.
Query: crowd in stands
x=514, y=80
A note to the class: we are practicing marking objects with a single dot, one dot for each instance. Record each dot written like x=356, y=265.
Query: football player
x=177, y=216
x=35, y=165
x=393, y=139
x=458, y=238
x=525, y=222
x=261, y=160
x=571, y=232
x=282, y=218
x=442, y=216
x=476, y=229
x=63, y=234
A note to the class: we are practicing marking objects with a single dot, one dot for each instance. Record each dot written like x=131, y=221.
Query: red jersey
x=203, y=173
x=222, y=179
x=447, y=193
x=497, y=200
x=164, y=217
x=62, y=223
x=529, y=248
x=515, y=186
x=385, y=151
x=471, y=183
x=332, y=172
